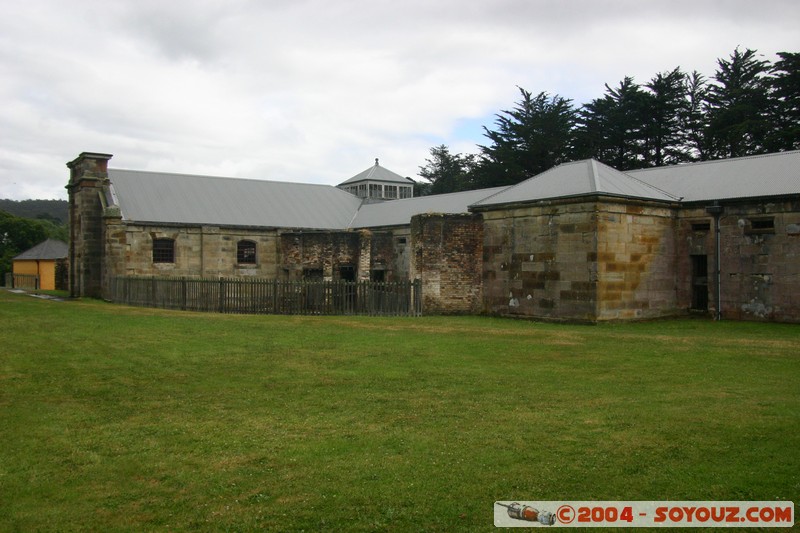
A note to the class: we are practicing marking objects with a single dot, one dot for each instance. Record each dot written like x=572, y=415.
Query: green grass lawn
x=116, y=418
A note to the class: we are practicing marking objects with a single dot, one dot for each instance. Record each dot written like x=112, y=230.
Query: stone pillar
x=364, y=255
x=88, y=177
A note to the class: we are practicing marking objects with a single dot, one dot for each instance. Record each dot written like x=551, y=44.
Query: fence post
x=183, y=293
x=221, y=306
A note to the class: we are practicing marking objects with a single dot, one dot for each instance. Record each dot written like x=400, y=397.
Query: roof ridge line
x=596, y=184
x=355, y=213
x=650, y=185
x=713, y=161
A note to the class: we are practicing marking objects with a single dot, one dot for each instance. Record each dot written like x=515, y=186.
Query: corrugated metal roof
x=578, y=178
x=743, y=177
x=399, y=212
x=378, y=173
x=186, y=199
x=49, y=249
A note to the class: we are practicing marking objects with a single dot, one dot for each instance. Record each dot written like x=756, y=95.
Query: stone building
x=580, y=242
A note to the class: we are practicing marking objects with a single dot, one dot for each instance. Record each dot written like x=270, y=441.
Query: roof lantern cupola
x=377, y=183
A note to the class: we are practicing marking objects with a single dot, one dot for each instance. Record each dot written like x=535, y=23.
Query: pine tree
x=738, y=106
x=785, y=96
x=534, y=136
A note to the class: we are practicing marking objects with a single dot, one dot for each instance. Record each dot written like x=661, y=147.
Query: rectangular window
x=701, y=226
x=163, y=251
x=246, y=252
x=390, y=191
x=375, y=190
x=405, y=192
x=761, y=226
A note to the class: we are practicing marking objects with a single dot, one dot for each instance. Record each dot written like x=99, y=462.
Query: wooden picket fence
x=22, y=281
x=270, y=296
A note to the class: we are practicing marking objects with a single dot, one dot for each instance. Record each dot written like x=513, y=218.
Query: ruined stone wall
x=446, y=255
x=325, y=251
x=760, y=259
x=541, y=261
x=636, y=275
x=382, y=254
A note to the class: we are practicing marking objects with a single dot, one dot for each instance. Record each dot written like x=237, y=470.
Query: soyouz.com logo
x=643, y=514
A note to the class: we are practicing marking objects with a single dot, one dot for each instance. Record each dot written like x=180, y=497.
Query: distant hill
x=53, y=210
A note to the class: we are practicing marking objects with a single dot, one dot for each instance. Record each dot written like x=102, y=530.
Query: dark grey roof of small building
x=742, y=177
x=579, y=178
x=49, y=249
x=399, y=212
x=378, y=173
x=187, y=199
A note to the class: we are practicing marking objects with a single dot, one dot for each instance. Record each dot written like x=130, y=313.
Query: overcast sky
x=314, y=90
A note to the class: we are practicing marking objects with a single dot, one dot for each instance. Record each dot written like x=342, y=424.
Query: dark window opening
x=401, y=240
x=163, y=251
x=347, y=273
x=378, y=276
x=312, y=274
x=246, y=252
x=700, y=282
x=701, y=226
x=762, y=225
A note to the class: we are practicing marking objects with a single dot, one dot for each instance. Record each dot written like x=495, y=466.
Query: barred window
x=246, y=252
x=163, y=251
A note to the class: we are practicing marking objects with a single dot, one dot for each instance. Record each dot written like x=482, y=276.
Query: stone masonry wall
x=694, y=229
x=446, y=255
x=200, y=251
x=760, y=259
x=541, y=261
x=636, y=261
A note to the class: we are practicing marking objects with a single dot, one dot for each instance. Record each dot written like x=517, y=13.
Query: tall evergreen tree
x=785, y=95
x=612, y=129
x=534, y=136
x=693, y=118
x=738, y=106
x=664, y=137
x=447, y=172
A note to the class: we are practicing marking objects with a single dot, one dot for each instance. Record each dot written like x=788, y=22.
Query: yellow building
x=38, y=268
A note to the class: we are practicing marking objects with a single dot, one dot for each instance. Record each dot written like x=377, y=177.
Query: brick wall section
x=636, y=261
x=541, y=261
x=446, y=255
x=321, y=250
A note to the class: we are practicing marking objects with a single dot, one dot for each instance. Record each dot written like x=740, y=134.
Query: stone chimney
x=88, y=177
